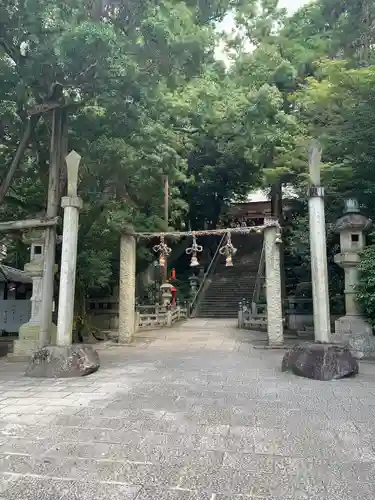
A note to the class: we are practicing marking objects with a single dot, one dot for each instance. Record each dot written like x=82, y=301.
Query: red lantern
x=174, y=296
x=173, y=273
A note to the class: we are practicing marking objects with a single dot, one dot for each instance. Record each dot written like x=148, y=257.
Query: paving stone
x=23, y=446
x=152, y=439
x=81, y=450
x=185, y=418
x=212, y=480
x=210, y=416
x=212, y=442
x=171, y=494
x=34, y=488
x=249, y=461
x=345, y=490
x=70, y=421
x=175, y=456
x=6, y=482
x=88, y=470
x=27, y=464
x=115, y=424
x=101, y=491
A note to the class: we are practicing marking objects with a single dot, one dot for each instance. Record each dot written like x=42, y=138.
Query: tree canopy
x=147, y=98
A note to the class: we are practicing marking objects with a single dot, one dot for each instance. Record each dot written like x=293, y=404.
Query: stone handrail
x=110, y=304
x=258, y=282
x=159, y=317
x=250, y=321
x=210, y=270
x=147, y=316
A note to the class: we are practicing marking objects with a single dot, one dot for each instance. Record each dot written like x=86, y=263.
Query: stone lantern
x=166, y=294
x=353, y=328
x=28, y=340
x=193, y=282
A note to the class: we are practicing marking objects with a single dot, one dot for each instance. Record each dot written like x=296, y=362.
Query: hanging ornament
x=163, y=250
x=228, y=250
x=193, y=250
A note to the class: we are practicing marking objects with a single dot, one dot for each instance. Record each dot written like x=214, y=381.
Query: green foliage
x=366, y=287
x=148, y=100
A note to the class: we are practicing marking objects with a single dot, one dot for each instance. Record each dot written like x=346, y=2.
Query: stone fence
x=158, y=317
x=252, y=320
x=298, y=315
x=103, y=314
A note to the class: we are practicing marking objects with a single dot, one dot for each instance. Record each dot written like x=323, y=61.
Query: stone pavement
x=195, y=414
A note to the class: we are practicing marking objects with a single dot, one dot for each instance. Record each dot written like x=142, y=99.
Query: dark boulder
x=53, y=361
x=320, y=361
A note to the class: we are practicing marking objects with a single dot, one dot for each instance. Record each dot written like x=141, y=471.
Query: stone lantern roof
x=352, y=220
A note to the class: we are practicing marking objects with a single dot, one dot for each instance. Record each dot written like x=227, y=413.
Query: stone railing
x=250, y=321
x=298, y=313
x=149, y=317
x=104, y=315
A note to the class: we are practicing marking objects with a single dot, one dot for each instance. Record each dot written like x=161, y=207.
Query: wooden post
x=50, y=234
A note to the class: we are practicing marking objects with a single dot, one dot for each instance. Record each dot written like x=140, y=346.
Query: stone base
x=28, y=341
x=76, y=360
x=320, y=361
x=270, y=347
x=355, y=332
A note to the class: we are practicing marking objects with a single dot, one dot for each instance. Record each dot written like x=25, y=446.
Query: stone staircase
x=228, y=285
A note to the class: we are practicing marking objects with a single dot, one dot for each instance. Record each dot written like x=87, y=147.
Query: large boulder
x=76, y=360
x=320, y=361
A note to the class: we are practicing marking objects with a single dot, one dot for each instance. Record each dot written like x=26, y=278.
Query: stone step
x=213, y=313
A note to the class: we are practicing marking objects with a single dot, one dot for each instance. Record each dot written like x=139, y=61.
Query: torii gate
x=55, y=105
x=271, y=231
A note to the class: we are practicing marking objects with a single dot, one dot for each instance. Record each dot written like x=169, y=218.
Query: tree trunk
x=24, y=142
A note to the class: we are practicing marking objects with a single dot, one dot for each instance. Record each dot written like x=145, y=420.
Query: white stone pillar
x=318, y=249
x=273, y=286
x=127, y=289
x=71, y=205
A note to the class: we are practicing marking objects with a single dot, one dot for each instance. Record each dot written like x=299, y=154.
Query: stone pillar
x=71, y=205
x=273, y=286
x=127, y=289
x=352, y=328
x=28, y=339
x=65, y=359
x=318, y=249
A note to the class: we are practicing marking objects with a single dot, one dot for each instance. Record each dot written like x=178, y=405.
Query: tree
x=117, y=62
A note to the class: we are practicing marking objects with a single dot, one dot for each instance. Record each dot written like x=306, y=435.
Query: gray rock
x=320, y=361
x=52, y=361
